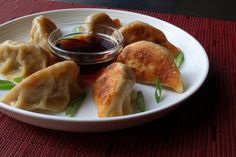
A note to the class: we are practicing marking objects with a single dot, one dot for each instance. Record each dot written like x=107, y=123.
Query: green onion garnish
x=6, y=85
x=18, y=79
x=77, y=29
x=73, y=107
x=179, y=59
x=5, y=82
x=158, y=90
x=140, y=101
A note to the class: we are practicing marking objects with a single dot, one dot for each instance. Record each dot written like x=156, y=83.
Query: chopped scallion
x=18, y=79
x=73, y=107
x=6, y=85
x=179, y=59
x=77, y=29
x=5, y=82
x=140, y=101
x=158, y=90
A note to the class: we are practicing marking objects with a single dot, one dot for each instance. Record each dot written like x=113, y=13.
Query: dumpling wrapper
x=19, y=59
x=137, y=31
x=42, y=27
x=98, y=18
x=112, y=91
x=150, y=61
x=50, y=89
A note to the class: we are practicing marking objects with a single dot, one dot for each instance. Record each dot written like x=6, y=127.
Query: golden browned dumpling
x=41, y=29
x=150, y=61
x=19, y=59
x=112, y=91
x=137, y=31
x=50, y=89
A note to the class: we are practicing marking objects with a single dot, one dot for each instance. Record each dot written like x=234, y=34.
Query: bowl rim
x=53, y=47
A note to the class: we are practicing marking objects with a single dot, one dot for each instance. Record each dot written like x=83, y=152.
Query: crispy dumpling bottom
x=112, y=91
x=150, y=61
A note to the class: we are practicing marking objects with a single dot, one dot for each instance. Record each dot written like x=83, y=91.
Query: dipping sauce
x=75, y=44
x=86, y=43
x=92, y=50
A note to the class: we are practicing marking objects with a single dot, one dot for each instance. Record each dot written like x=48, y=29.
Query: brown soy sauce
x=85, y=43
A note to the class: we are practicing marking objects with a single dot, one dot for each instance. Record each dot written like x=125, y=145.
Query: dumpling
x=112, y=91
x=19, y=59
x=40, y=31
x=102, y=19
x=50, y=89
x=99, y=18
x=150, y=61
x=137, y=31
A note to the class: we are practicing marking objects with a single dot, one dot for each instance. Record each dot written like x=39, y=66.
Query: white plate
x=194, y=71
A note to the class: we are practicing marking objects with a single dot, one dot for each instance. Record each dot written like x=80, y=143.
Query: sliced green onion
x=6, y=85
x=73, y=107
x=140, y=101
x=18, y=79
x=5, y=82
x=179, y=59
x=77, y=29
x=158, y=90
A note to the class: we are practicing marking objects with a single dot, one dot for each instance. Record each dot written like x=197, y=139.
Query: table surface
x=204, y=125
x=218, y=9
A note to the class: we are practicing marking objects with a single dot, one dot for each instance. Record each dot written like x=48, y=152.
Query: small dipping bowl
x=64, y=45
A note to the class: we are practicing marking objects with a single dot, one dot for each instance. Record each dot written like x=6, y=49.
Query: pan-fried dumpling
x=40, y=31
x=50, y=89
x=150, y=61
x=19, y=59
x=112, y=91
x=99, y=18
x=137, y=31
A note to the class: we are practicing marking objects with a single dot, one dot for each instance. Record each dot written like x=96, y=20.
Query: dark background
x=217, y=9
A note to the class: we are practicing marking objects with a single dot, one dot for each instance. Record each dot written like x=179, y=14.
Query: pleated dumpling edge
x=50, y=89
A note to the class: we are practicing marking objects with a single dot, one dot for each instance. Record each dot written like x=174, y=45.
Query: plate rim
x=108, y=119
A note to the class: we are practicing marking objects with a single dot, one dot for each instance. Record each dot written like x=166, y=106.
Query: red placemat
x=205, y=125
